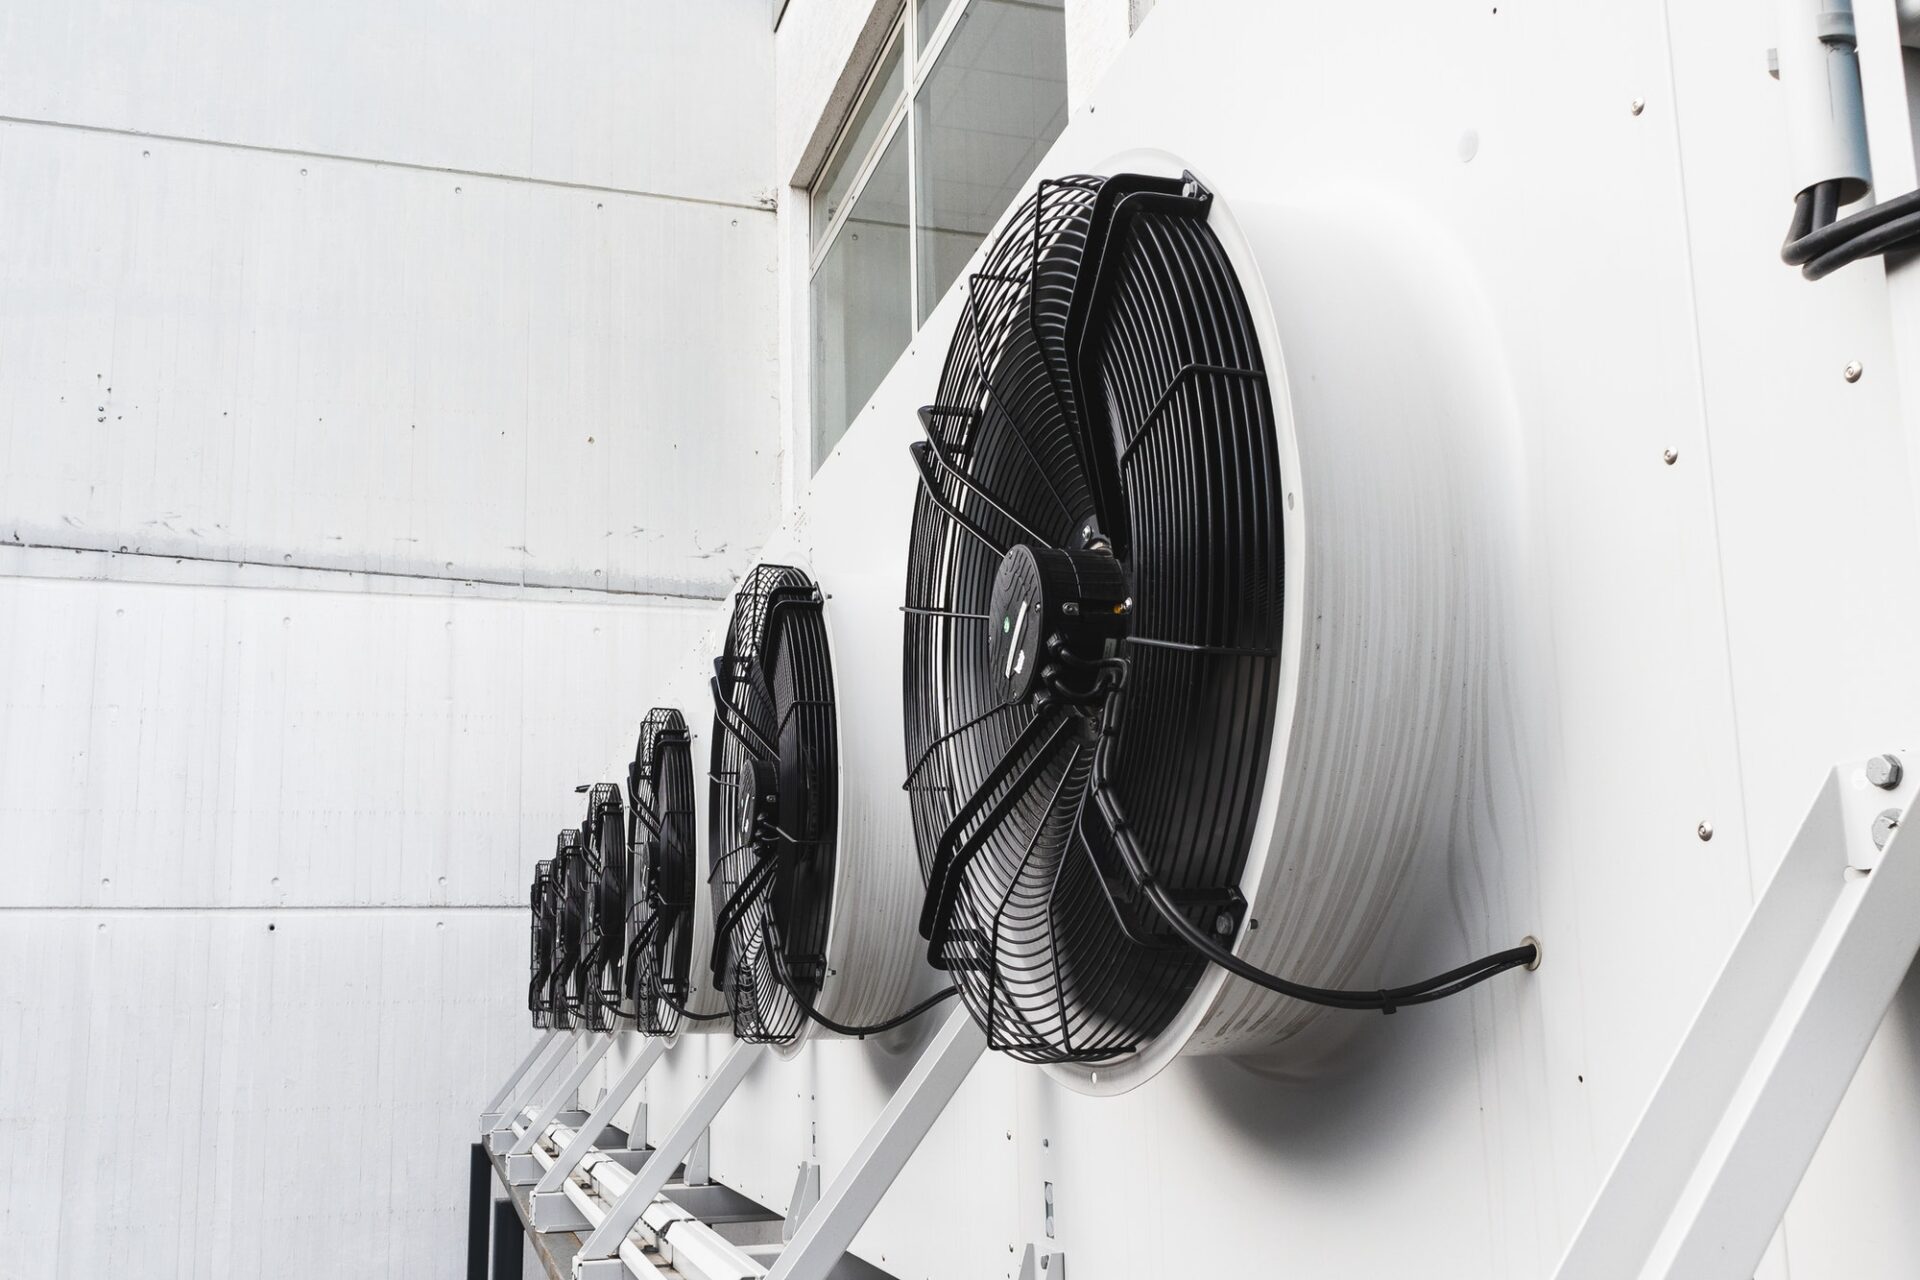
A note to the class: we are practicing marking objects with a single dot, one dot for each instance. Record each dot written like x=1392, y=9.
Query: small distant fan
x=609, y=872
x=541, y=904
x=660, y=792
x=774, y=793
x=570, y=891
x=1095, y=653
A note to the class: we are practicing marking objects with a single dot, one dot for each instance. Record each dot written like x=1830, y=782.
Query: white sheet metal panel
x=1629, y=260
x=599, y=92
x=203, y=746
x=246, y=1093
x=244, y=356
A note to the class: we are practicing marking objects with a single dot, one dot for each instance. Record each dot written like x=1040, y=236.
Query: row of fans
x=1097, y=671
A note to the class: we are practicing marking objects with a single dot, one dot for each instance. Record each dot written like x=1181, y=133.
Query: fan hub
x=1041, y=593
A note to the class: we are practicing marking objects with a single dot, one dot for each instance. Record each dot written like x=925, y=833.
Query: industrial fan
x=570, y=894
x=609, y=875
x=660, y=793
x=779, y=868
x=540, y=902
x=1101, y=654
x=774, y=784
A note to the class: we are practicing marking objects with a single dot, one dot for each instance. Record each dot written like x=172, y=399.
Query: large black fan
x=570, y=892
x=661, y=837
x=603, y=839
x=773, y=796
x=1093, y=625
x=542, y=908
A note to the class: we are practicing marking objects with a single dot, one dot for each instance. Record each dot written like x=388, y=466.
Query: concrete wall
x=385, y=390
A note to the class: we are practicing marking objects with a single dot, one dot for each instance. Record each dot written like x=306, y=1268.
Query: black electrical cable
x=1820, y=244
x=771, y=941
x=1385, y=999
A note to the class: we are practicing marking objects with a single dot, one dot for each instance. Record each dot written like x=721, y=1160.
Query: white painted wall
x=386, y=390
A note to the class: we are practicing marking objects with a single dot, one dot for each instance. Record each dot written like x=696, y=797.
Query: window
x=961, y=106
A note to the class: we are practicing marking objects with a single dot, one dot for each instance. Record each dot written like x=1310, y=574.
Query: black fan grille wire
x=604, y=839
x=772, y=798
x=661, y=806
x=541, y=905
x=569, y=907
x=1103, y=395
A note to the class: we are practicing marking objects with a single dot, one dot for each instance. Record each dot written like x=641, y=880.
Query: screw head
x=1853, y=371
x=1670, y=457
x=1884, y=771
x=1704, y=831
x=1884, y=825
x=1223, y=923
x=1637, y=105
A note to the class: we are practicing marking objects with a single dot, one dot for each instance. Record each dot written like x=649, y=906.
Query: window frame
x=904, y=32
x=917, y=66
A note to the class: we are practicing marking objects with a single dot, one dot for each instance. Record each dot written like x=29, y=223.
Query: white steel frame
x=552, y=1210
x=830, y=1226
x=501, y=1136
x=522, y=1169
x=1708, y=1171
x=598, y=1258
x=495, y=1108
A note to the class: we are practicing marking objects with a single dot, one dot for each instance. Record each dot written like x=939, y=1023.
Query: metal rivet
x=1704, y=831
x=1853, y=371
x=1637, y=105
x=1884, y=825
x=1670, y=457
x=1884, y=771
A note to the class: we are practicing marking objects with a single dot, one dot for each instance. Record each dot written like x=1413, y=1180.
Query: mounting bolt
x=1223, y=923
x=1853, y=371
x=1884, y=771
x=1704, y=831
x=1884, y=826
x=1637, y=105
x=1670, y=457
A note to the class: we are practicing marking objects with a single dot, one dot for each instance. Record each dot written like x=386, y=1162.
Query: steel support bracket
x=491, y=1113
x=522, y=1168
x=552, y=1210
x=1036, y=1265
x=1707, y=1173
x=501, y=1137
x=598, y=1253
x=830, y=1226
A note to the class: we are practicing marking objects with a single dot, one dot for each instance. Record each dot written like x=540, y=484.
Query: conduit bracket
x=1036, y=1265
x=1708, y=1171
x=552, y=1210
x=830, y=1226
x=598, y=1258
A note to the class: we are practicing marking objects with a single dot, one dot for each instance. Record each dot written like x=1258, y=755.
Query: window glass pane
x=994, y=103
x=857, y=142
x=926, y=16
x=862, y=317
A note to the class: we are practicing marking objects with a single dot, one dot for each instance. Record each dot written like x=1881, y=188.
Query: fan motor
x=1049, y=603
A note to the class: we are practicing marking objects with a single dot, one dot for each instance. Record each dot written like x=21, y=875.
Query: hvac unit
x=1181, y=648
x=670, y=937
x=808, y=911
x=543, y=918
x=607, y=874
